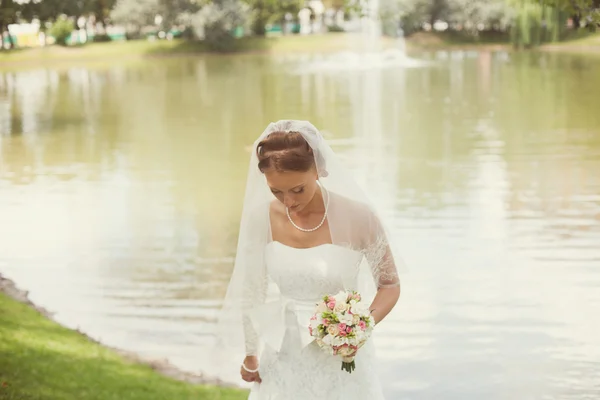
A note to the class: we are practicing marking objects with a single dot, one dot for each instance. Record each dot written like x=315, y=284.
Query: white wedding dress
x=292, y=366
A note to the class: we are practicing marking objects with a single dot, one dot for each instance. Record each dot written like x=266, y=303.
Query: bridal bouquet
x=341, y=325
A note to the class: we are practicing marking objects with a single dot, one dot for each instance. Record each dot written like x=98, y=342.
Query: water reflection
x=121, y=188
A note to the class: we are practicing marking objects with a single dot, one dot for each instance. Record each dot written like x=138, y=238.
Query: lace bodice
x=296, y=279
x=308, y=274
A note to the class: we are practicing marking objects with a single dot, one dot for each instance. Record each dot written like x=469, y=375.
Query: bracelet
x=249, y=370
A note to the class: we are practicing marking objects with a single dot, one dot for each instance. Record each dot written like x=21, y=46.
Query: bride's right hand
x=251, y=363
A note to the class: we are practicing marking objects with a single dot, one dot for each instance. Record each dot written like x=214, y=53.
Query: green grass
x=456, y=40
x=581, y=41
x=41, y=360
x=581, y=37
x=578, y=43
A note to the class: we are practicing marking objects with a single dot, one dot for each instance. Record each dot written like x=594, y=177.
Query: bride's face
x=294, y=189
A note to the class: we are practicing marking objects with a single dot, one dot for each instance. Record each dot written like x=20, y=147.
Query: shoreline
x=108, y=53
x=163, y=367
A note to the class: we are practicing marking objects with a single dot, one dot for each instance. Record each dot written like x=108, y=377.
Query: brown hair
x=285, y=151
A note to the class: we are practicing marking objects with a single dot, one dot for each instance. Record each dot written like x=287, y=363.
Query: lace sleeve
x=254, y=293
x=255, y=288
x=378, y=253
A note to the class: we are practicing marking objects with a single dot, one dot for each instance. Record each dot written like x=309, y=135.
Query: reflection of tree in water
x=437, y=123
x=549, y=123
x=62, y=128
x=536, y=130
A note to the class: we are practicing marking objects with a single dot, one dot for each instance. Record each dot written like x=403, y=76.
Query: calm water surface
x=121, y=190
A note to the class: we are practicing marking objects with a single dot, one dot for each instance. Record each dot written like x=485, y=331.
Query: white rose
x=371, y=321
x=339, y=307
x=314, y=324
x=355, y=319
x=322, y=307
x=333, y=330
x=338, y=341
x=360, y=309
x=359, y=336
x=341, y=297
x=346, y=319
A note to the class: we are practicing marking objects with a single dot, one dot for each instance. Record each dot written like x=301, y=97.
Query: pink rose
x=362, y=325
x=342, y=327
x=326, y=322
x=331, y=303
x=349, y=329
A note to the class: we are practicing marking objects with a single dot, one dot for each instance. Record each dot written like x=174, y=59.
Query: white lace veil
x=353, y=223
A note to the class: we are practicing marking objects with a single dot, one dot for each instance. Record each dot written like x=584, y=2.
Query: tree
x=267, y=11
x=179, y=12
x=61, y=30
x=535, y=22
x=51, y=10
x=8, y=15
x=470, y=14
x=216, y=22
x=586, y=10
x=102, y=9
x=136, y=14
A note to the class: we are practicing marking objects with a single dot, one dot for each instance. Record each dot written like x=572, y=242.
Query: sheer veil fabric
x=353, y=224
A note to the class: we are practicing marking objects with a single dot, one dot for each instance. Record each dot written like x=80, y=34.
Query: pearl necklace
x=287, y=210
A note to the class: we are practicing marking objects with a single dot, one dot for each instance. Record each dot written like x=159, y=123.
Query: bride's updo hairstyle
x=285, y=151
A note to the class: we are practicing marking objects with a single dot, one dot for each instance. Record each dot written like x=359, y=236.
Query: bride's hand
x=251, y=363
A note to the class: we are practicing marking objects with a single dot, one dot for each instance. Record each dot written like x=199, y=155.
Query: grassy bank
x=110, y=51
x=582, y=43
x=41, y=360
x=107, y=53
x=453, y=40
x=574, y=41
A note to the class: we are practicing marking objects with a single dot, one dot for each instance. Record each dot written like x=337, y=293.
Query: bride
x=307, y=230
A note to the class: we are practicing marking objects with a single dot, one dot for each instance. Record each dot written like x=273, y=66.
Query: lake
x=121, y=189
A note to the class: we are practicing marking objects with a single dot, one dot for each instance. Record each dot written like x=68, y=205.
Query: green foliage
x=102, y=38
x=8, y=14
x=42, y=360
x=330, y=315
x=463, y=15
x=216, y=24
x=531, y=22
x=8, y=10
x=50, y=10
x=536, y=23
x=135, y=14
x=588, y=10
x=335, y=28
x=180, y=12
x=268, y=11
x=61, y=29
